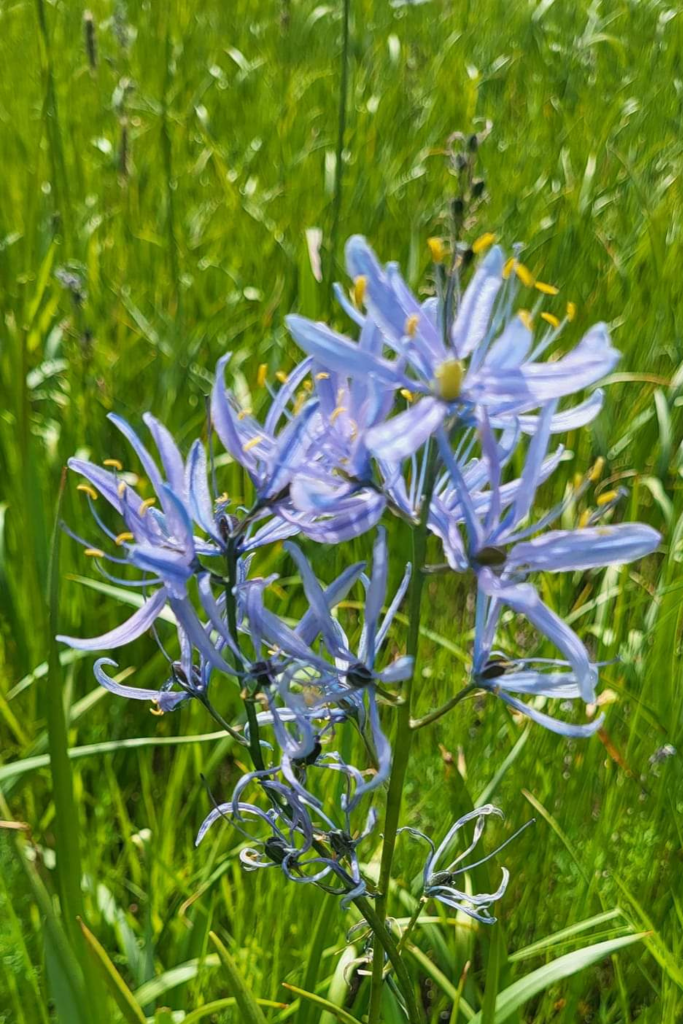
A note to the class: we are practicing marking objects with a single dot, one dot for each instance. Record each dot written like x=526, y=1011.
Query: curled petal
x=128, y=631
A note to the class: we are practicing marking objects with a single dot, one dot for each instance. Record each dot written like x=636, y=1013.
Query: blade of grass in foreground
x=249, y=1008
x=66, y=818
x=121, y=994
x=513, y=997
x=342, y=1015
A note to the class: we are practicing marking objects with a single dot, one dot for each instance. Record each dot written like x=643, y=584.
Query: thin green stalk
x=421, y=904
x=389, y=945
x=231, y=607
x=341, y=132
x=434, y=716
x=404, y=733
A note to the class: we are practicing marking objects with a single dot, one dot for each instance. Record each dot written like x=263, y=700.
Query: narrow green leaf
x=66, y=816
x=163, y=1016
x=440, y=979
x=543, y=945
x=31, y=764
x=163, y=983
x=521, y=991
x=249, y=1008
x=652, y=938
x=314, y=960
x=488, y=1009
x=343, y=1015
x=222, y=1004
x=122, y=995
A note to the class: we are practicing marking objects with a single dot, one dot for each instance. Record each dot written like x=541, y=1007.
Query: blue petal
x=128, y=631
x=591, y=548
x=171, y=458
x=474, y=314
x=554, y=724
x=335, y=352
x=402, y=435
x=166, y=700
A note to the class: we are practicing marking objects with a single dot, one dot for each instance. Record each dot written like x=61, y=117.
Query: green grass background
x=177, y=180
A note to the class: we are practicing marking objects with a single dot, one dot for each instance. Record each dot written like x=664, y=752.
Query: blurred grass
x=175, y=180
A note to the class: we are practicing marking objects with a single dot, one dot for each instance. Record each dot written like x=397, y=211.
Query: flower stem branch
x=403, y=735
x=434, y=716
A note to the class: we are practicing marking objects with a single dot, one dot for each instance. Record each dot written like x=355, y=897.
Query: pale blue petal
x=474, y=314
x=402, y=435
x=128, y=631
x=590, y=548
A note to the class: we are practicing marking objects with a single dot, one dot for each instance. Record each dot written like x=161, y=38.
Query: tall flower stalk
x=422, y=418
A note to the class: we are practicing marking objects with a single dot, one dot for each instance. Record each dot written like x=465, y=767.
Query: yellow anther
x=307, y=385
x=299, y=401
x=114, y=463
x=507, y=269
x=121, y=488
x=578, y=480
x=584, y=519
x=411, y=323
x=354, y=430
x=337, y=413
x=144, y=505
x=156, y=710
x=252, y=443
x=360, y=285
x=437, y=249
x=525, y=275
x=546, y=289
x=596, y=471
x=94, y=553
x=123, y=537
x=262, y=374
x=571, y=311
x=322, y=376
x=550, y=319
x=606, y=497
x=222, y=499
x=449, y=377
x=281, y=376
x=243, y=413
x=483, y=243
x=408, y=395
x=525, y=316
x=87, y=489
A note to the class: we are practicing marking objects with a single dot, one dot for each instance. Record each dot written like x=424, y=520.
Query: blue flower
x=439, y=881
x=485, y=359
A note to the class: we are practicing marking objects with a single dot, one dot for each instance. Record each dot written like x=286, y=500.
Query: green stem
x=341, y=131
x=421, y=904
x=433, y=716
x=403, y=734
x=390, y=947
x=231, y=608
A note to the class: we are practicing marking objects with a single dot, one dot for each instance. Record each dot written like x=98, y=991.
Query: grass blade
x=521, y=991
x=121, y=994
x=342, y=1015
x=249, y=1008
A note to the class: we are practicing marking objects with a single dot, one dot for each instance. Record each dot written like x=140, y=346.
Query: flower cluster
x=422, y=417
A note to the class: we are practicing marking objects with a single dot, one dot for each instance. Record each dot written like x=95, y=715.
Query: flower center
x=449, y=379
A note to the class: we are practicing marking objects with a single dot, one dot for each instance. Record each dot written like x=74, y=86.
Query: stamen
x=550, y=319
x=87, y=489
x=147, y=503
x=114, y=463
x=243, y=413
x=121, y=488
x=525, y=275
x=360, y=285
x=571, y=311
x=322, y=376
x=507, y=269
x=262, y=374
x=307, y=385
x=156, y=710
x=437, y=249
x=449, y=377
x=252, y=443
x=525, y=316
x=94, y=553
x=408, y=395
x=337, y=413
x=596, y=471
x=282, y=376
x=222, y=499
x=411, y=323
x=546, y=289
x=584, y=518
x=606, y=497
x=123, y=537
x=483, y=243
